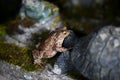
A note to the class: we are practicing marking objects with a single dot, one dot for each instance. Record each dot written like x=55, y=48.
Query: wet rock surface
x=95, y=56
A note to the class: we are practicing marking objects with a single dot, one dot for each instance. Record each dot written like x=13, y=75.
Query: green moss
x=51, y=6
x=18, y=56
x=2, y=30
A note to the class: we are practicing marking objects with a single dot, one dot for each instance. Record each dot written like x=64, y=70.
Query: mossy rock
x=18, y=56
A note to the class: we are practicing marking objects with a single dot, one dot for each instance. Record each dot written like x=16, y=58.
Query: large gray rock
x=11, y=72
x=96, y=56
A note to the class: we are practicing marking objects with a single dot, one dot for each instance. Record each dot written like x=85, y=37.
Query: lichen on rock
x=39, y=10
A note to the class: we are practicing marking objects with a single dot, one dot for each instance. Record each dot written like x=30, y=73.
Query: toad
x=51, y=45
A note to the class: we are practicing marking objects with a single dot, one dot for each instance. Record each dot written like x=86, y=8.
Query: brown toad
x=51, y=45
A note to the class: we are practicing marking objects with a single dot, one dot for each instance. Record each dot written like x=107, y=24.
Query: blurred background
x=75, y=13
x=89, y=13
x=80, y=14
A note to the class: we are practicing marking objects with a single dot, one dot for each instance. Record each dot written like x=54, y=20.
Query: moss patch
x=2, y=30
x=18, y=56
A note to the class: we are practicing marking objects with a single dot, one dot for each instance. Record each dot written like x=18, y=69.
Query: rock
x=95, y=56
x=3, y=78
x=12, y=72
x=48, y=75
x=40, y=10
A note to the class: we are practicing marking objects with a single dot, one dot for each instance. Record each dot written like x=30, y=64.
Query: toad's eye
x=64, y=32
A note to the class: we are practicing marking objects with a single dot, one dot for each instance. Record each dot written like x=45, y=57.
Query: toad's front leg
x=61, y=49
